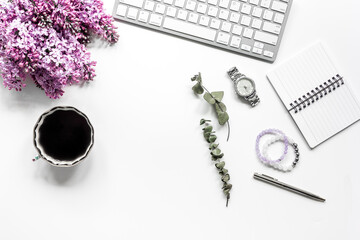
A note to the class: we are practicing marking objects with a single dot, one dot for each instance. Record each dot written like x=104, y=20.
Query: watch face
x=245, y=87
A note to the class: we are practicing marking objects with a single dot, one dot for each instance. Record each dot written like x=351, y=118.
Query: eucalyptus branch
x=214, y=98
x=216, y=156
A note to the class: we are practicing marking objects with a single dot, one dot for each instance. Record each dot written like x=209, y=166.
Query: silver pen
x=285, y=186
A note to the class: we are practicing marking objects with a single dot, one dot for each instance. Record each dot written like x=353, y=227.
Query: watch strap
x=253, y=99
x=234, y=74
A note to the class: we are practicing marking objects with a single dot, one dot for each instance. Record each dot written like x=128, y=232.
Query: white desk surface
x=149, y=175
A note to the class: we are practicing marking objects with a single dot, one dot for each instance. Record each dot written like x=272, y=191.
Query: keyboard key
x=266, y=37
x=268, y=54
x=246, y=9
x=156, y=19
x=179, y=3
x=234, y=17
x=204, y=20
x=171, y=11
x=193, y=17
x=235, y=6
x=201, y=8
x=279, y=6
x=213, y=2
x=245, y=47
x=237, y=30
x=224, y=14
x=235, y=42
x=255, y=2
x=190, y=29
x=121, y=10
x=245, y=20
x=256, y=23
x=257, y=50
x=214, y=23
x=182, y=14
x=160, y=8
x=143, y=16
x=279, y=18
x=149, y=5
x=213, y=11
x=190, y=5
x=265, y=3
x=132, y=13
x=271, y=27
x=257, y=12
x=225, y=26
x=223, y=38
x=268, y=15
x=248, y=32
x=170, y=2
x=134, y=3
x=224, y=3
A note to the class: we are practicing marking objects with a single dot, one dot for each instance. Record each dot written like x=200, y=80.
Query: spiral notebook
x=316, y=95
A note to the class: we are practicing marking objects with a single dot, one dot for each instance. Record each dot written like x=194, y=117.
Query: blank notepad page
x=316, y=95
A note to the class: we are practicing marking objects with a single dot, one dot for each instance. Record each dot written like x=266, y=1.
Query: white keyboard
x=250, y=27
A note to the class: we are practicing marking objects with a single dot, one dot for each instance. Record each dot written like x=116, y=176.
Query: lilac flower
x=46, y=40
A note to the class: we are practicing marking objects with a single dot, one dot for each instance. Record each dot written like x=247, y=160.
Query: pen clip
x=269, y=177
x=263, y=176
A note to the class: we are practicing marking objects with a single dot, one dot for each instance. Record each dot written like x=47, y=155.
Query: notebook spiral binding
x=316, y=94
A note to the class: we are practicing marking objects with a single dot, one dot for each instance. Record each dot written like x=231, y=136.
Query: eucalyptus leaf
x=223, y=117
x=220, y=107
x=218, y=95
x=203, y=121
x=209, y=98
x=198, y=89
x=223, y=171
x=225, y=178
x=213, y=146
x=212, y=138
x=216, y=152
x=220, y=165
x=208, y=129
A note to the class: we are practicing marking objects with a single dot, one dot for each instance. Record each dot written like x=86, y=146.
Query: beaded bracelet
x=276, y=132
x=278, y=165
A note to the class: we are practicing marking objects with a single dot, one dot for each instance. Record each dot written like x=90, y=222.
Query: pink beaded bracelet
x=276, y=132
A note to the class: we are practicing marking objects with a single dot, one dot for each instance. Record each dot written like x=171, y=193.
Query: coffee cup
x=63, y=136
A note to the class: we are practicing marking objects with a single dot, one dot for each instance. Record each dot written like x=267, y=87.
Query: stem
x=228, y=125
x=227, y=200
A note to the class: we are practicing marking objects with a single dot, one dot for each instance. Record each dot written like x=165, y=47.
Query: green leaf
x=198, y=89
x=223, y=171
x=227, y=186
x=213, y=146
x=220, y=107
x=197, y=78
x=208, y=129
x=203, y=121
x=209, y=98
x=220, y=165
x=207, y=135
x=212, y=138
x=223, y=117
x=225, y=178
x=216, y=152
x=218, y=95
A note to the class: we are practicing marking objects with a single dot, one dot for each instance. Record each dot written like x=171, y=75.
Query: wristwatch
x=244, y=86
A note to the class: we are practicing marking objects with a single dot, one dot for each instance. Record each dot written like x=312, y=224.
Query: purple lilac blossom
x=45, y=39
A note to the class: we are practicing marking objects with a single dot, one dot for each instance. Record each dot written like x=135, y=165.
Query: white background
x=149, y=175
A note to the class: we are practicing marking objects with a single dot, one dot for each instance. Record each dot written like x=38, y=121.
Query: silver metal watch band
x=234, y=74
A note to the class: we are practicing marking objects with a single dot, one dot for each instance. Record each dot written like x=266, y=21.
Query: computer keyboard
x=250, y=27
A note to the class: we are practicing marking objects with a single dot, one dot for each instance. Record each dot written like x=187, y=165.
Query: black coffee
x=65, y=135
